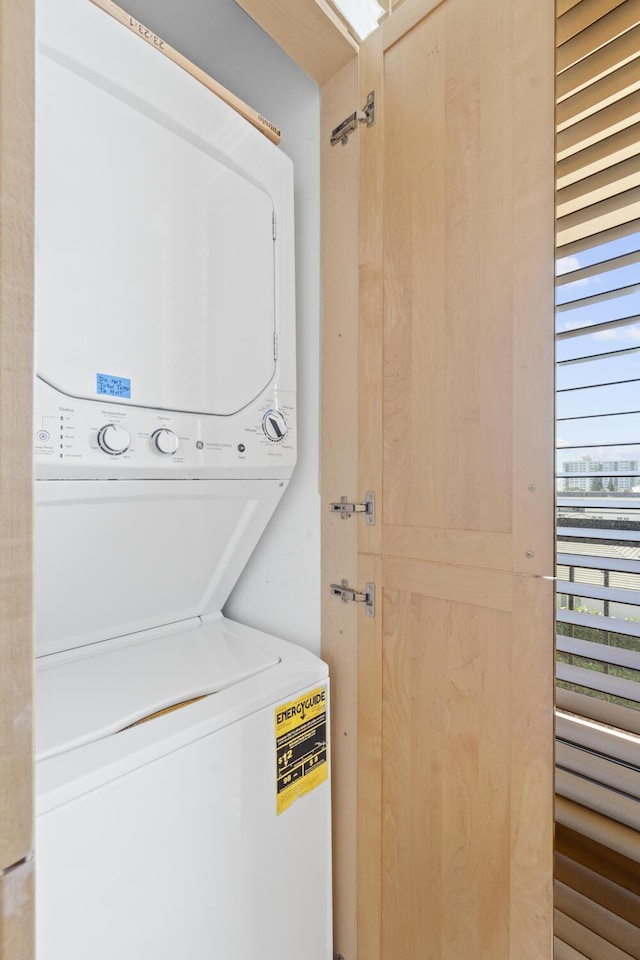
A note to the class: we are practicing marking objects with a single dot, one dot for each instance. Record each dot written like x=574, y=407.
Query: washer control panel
x=90, y=438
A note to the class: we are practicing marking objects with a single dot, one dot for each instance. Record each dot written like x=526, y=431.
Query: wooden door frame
x=16, y=425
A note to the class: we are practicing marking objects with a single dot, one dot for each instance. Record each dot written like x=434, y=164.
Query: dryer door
x=155, y=256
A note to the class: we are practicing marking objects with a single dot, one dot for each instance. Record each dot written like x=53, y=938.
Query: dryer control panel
x=83, y=439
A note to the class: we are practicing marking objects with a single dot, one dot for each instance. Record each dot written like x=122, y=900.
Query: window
x=362, y=15
x=598, y=406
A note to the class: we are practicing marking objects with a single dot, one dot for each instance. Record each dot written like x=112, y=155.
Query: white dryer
x=183, y=805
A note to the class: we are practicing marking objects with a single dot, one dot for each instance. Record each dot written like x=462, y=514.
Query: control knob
x=274, y=425
x=113, y=439
x=165, y=441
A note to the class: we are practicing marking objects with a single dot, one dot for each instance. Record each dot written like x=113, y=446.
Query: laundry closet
x=431, y=460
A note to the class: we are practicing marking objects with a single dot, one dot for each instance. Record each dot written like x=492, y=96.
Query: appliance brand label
x=301, y=747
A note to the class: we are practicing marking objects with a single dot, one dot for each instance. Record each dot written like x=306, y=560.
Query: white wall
x=280, y=589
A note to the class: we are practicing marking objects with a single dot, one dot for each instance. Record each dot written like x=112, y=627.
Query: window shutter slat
x=624, y=143
x=613, y=896
x=598, y=455
x=602, y=652
x=623, y=747
x=612, y=212
x=601, y=711
x=581, y=16
x=622, y=17
x=598, y=799
x=562, y=951
x=602, y=123
x=602, y=61
x=608, y=773
x=583, y=940
x=563, y=5
x=595, y=269
x=605, y=924
x=615, y=84
x=599, y=239
x=613, y=180
x=599, y=682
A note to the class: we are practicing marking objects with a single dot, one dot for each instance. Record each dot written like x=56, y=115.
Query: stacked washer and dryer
x=182, y=774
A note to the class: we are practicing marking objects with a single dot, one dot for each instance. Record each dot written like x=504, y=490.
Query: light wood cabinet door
x=443, y=766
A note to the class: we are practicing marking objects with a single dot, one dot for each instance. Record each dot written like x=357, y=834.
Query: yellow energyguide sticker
x=301, y=747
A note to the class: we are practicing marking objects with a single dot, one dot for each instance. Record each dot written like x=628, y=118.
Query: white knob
x=165, y=441
x=114, y=439
x=274, y=425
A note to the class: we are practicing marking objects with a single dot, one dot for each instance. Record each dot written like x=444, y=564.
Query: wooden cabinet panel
x=16, y=427
x=448, y=242
x=467, y=787
x=446, y=778
x=455, y=682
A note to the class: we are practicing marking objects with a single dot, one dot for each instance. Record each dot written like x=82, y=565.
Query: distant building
x=607, y=484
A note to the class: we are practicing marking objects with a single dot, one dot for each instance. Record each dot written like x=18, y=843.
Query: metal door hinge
x=367, y=508
x=368, y=115
x=348, y=595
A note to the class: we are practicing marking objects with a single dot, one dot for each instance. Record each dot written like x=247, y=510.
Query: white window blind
x=598, y=406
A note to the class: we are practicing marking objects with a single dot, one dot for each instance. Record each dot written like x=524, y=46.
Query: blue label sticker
x=113, y=386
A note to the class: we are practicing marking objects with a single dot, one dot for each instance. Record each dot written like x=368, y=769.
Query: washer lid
x=98, y=691
x=155, y=253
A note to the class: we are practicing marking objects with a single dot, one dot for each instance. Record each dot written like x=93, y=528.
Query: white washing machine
x=183, y=788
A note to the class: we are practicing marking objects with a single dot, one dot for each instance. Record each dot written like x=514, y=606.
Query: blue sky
x=621, y=427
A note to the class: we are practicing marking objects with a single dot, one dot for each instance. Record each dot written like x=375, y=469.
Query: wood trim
x=533, y=428
x=339, y=464
x=470, y=585
x=16, y=913
x=256, y=119
x=311, y=33
x=532, y=685
x=17, y=48
x=370, y=810
x=465, y=547
x=404, y=18
x=371, y=299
